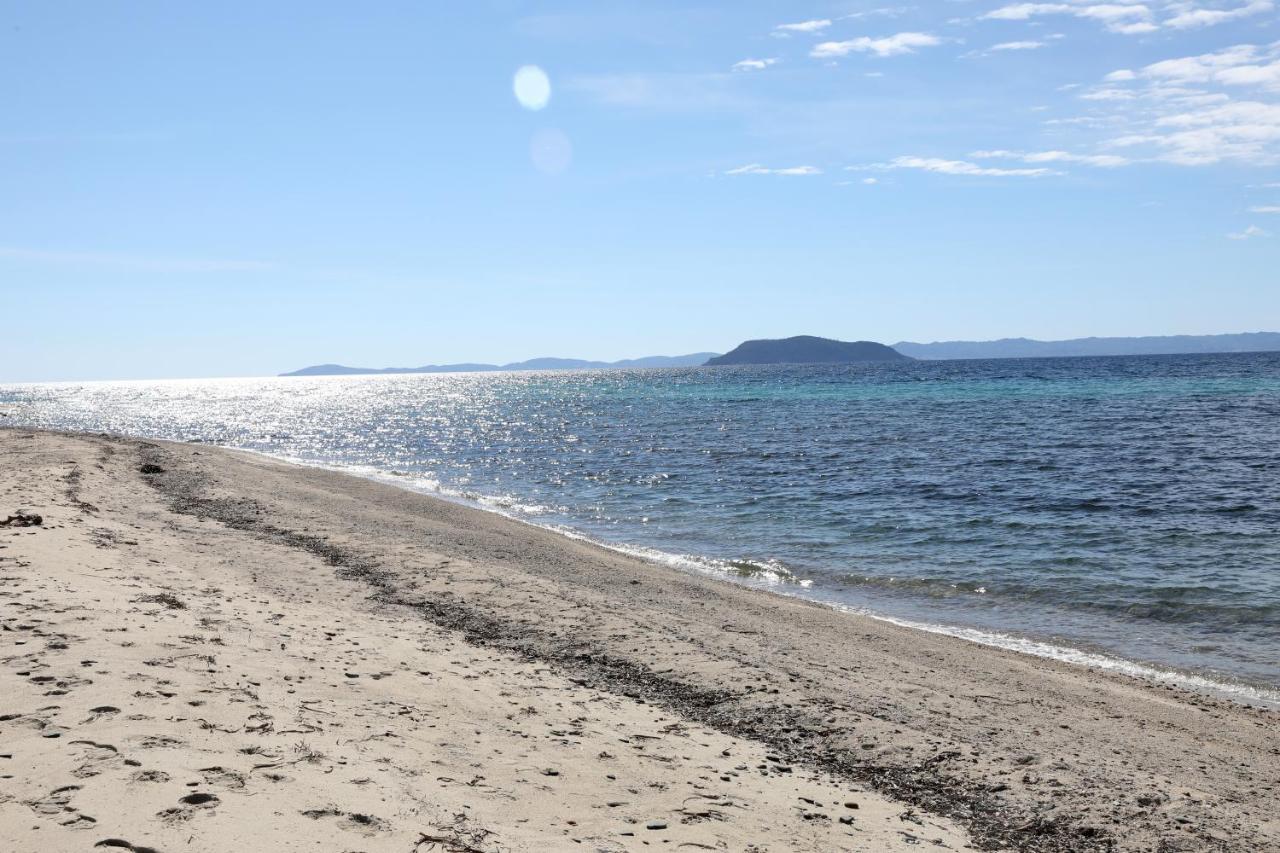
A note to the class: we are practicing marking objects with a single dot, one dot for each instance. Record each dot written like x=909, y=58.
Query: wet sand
x=208, y=650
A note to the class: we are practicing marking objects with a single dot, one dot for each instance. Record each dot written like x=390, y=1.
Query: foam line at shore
x=778, y=580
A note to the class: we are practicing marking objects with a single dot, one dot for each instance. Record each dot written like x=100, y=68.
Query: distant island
x=806, y=349
x=1027, y=348
x=696, y=359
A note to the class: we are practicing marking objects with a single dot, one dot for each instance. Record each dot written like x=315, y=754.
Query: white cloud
x=888, y=11
x=1249, y=233
x=1135, y=29
x=1105, y=161
x=1240, y=65
x=1018, y=45
x=1191, y=17
x=754, y=64
x=1121, y=76
x=814, y=26
x=1265, y=208
x=1133, y=17
x=789, y=171
x=870, y=181
x=1108, y=95
x=893, y=45
x=956, y=167
x=1127, y=18
x=1203, y=66
x=1243, y=131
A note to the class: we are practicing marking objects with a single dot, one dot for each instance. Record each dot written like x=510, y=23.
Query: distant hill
x=692, y=360
x=1027, y=348
x=806, y=349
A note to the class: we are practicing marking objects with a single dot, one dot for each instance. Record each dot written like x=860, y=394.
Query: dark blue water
x=1124, y=505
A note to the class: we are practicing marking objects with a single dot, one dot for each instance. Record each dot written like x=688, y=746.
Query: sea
x=1121, y=513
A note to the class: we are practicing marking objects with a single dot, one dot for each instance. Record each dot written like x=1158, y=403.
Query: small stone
x=656, y=824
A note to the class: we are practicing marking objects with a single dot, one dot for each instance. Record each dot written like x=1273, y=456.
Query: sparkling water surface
x=1129, y=506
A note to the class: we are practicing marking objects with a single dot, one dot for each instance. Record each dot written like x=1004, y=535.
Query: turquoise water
x=1124, y=506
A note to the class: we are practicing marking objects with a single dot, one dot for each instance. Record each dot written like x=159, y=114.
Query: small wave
x=1244, y=693
x=778, y=578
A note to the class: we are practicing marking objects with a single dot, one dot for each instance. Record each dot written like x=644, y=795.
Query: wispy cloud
x=956, y=167
x=1128, y=18
x=754, y=64
x=1018, y=45
x=142, y=263
x=1265, y=208
x=789, y=171
x=1194, y=110
x=1106, y=161
x=1242, y=131
x=1006, y=47
x=1249, y=233
x=1240, y=65
x=1191, y=17
x=1133, y=17
x=1108, y=95
x=815, y=26
x=894, y=45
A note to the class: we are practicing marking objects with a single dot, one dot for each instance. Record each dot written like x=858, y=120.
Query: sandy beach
x=208, y=650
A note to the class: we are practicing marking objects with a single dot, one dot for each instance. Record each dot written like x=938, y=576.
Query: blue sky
x=244, y=188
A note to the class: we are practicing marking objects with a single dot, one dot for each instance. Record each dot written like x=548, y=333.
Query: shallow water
x=1121, y=505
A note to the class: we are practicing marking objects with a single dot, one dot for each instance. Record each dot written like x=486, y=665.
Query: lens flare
x=532, y=87
x=550, y=151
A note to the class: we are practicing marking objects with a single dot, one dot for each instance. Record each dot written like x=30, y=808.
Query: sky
x=237, y=189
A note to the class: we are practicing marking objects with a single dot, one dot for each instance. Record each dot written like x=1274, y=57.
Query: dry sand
x=229, y=653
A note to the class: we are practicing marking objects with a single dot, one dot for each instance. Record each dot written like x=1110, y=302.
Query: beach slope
x=205, y=649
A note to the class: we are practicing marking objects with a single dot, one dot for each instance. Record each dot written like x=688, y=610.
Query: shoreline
x=970, y=746
x=1245, y=693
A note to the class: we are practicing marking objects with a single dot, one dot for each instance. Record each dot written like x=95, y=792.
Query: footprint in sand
x=102, y=712
x=96, y=758
x=188, y=807
x=364, y=824
x=222, y=777
x=57, y=804
x=121, y=844
x=41, y=720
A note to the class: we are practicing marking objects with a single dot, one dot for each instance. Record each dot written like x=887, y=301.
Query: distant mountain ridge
x=806, y=349
x=696, y=359
x=1154, y=345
